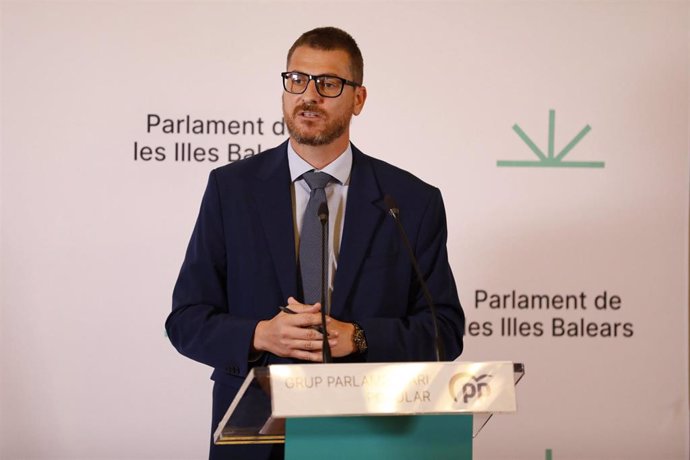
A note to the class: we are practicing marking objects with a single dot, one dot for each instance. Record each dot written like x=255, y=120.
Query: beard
x=333, y=129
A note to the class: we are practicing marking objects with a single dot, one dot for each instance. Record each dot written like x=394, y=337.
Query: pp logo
x=473, y=387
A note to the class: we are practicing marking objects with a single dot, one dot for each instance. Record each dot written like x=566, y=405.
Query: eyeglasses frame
x=314, y=78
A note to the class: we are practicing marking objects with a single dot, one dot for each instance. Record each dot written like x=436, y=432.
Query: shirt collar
x=339, y=168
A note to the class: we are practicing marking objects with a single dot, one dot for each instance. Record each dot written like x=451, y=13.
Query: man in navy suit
x=242, y=262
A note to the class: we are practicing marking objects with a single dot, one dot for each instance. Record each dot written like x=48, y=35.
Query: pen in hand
x=293, y=312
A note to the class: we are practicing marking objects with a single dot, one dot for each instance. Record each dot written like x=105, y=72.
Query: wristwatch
x=359, y=340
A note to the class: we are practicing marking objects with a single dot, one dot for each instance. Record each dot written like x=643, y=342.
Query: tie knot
x=317, y=179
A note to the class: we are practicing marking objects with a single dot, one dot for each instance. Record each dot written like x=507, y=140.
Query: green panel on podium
x=400, y=437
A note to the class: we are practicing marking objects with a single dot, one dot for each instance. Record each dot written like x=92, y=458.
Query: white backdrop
x=93, y=236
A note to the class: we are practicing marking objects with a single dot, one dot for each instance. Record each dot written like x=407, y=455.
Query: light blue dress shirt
x=336, y=195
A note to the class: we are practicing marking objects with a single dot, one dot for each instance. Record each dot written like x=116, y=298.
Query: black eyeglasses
x=326, y=85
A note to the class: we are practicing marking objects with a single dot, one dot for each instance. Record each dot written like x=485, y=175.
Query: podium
x=367, y=410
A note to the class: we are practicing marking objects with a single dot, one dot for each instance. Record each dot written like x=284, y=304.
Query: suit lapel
x=271, y=191
x=363, y=215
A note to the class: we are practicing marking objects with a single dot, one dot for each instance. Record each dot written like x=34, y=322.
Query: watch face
x=359, y=340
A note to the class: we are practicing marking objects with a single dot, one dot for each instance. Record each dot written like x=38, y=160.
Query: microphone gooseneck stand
x=323, y=218
x=394, y=211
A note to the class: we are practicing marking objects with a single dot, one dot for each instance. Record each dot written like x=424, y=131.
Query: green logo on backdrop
x=551, y=159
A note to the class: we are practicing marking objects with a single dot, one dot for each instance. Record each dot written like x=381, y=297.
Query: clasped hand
x=297, y=335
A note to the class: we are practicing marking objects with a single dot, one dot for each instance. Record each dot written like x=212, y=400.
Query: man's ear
x=360, y=98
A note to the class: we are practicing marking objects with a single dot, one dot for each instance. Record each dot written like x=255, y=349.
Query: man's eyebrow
x=327, y=74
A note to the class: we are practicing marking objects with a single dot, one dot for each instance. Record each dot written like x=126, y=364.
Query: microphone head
x=323, y=212
x=392, y=205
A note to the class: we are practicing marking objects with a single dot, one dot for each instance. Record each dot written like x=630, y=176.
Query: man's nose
x=311, y=94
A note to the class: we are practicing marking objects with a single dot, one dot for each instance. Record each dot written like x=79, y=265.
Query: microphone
x=323, y=218
x=394, y=211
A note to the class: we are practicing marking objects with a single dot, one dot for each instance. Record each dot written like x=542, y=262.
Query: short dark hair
x=332, y=38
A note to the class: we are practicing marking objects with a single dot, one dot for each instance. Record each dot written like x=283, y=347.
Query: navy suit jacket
x=241, y=265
